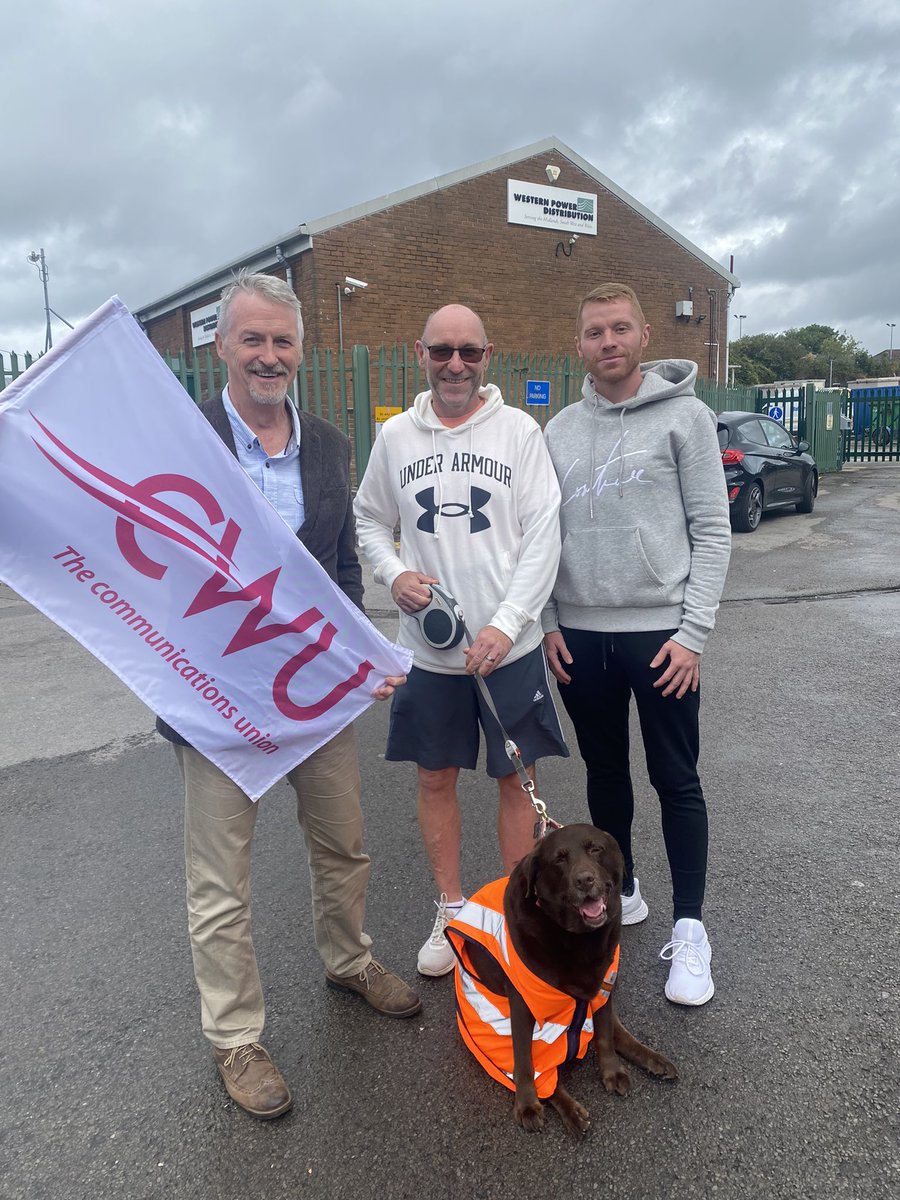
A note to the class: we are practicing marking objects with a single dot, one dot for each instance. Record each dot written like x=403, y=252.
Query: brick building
x=520, y=238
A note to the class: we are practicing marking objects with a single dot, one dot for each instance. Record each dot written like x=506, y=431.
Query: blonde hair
x=608, y=292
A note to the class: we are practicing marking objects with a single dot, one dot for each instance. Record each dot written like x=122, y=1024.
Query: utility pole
x=890, y=325
x=41, y=263
x=37, y=257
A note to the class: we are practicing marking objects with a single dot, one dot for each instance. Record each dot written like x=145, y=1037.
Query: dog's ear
x=531, y=868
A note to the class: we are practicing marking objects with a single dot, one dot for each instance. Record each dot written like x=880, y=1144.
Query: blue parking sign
x=537, y=391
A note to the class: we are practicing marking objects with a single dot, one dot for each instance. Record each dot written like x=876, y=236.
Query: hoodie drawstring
x=593, y=442
x=621, y=451
x=621, y=484
x=440, y=479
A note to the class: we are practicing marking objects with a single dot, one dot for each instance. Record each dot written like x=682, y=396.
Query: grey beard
x=267, y=397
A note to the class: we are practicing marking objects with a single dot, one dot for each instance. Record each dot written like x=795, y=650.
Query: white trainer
x=436, y=957
x=690, y=979
x=634, y=907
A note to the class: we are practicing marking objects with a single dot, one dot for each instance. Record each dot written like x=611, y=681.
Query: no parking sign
x=537, y=391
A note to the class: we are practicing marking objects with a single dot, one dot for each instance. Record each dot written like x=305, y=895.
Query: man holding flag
x=302, y=465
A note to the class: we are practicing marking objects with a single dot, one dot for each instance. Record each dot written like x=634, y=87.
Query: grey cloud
x=153, y=142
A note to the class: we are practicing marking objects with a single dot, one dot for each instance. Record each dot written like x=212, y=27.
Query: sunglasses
x=469, y=354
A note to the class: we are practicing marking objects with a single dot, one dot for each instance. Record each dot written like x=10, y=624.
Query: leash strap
x=544, y=822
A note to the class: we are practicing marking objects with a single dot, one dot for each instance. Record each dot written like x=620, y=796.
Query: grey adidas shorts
x=435, y=718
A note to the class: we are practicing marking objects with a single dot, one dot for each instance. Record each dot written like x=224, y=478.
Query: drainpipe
x=714, y=322
x=340, y=323
x=729, y=296
x=289, y=274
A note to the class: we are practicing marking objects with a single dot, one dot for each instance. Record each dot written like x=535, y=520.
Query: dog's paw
x=659, y=1065
x=529, y=1114
x=574, y=1115
x=616, y=1079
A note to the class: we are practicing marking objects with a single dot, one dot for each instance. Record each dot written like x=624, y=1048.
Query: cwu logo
x=478, y=521
x=139, y=505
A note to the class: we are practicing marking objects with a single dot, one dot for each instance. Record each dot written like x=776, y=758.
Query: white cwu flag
x=129, y=523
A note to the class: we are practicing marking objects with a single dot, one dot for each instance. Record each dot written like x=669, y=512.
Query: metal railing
x=347, y=389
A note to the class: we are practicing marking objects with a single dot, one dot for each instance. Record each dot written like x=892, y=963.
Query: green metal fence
x=346, y=390
x=726, y=399
x=11, y=367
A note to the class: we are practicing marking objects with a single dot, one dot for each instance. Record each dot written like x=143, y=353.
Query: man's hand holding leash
x=410, y=590
x=488, y=651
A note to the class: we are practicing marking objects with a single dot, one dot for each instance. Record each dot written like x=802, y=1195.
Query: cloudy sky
x=145, y=143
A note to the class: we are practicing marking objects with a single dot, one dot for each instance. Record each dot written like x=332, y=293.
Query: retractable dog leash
x=443, y=626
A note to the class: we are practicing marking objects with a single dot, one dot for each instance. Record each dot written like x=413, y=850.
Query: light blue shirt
x=278, y=477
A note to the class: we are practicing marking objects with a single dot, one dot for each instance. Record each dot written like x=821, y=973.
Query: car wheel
x=810, y=492
x=747, y=510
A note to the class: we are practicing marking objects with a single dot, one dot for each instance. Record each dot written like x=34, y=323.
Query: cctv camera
x=552, y=173
x=351, y=282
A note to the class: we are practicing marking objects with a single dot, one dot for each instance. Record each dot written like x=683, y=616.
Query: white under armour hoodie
x=478, y=508
x=644, y=511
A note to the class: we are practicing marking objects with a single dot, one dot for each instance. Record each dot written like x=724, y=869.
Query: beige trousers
x=218, y=834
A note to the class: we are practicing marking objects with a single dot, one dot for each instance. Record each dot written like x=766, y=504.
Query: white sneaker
x=436, y=957
x=634, y=907
x=690, y=980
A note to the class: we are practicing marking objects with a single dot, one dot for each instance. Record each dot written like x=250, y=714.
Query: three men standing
x=640, y=502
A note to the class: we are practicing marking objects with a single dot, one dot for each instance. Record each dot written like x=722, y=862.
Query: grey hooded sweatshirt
x=646, y=537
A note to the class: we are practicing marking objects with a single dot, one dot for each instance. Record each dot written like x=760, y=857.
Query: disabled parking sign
x=537, y=391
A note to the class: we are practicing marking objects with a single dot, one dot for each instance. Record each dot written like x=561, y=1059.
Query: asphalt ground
x=789, y=1083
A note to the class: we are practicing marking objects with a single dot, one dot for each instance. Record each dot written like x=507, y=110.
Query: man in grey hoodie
x=646, y=542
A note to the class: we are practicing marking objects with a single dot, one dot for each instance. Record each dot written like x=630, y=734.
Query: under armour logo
x=478, y=498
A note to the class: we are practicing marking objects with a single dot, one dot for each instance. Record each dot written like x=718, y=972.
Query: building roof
x=300, y=238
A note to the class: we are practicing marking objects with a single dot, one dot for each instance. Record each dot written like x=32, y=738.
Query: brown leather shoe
x=386, y=993
x=253, y=1081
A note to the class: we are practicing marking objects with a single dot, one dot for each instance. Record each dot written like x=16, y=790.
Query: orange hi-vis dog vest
x=563, y=1026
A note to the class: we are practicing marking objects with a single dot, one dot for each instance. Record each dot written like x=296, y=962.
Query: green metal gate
x=810, y=415
x=872, y=424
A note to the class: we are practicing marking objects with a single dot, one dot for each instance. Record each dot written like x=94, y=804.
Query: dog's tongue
x=593, y=909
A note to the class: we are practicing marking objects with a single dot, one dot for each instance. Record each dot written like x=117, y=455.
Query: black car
x=765, y=468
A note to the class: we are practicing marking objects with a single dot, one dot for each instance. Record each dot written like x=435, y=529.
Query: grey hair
x=249, y=283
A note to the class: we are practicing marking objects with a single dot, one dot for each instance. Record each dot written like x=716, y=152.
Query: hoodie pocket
x=609, y=568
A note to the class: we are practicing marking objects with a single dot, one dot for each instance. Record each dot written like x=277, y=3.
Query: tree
x=813, y=352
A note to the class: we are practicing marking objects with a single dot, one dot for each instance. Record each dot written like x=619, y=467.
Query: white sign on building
x=203, y=324
x=550, y=207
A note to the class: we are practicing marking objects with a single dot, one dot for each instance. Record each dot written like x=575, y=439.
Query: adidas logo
x=538, y=695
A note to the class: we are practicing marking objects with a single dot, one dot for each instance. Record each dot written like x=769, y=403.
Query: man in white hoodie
x=646, y=544
x=471, y=484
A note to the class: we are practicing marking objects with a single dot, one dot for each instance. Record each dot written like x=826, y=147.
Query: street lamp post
x=890, y=325
x=740, y=318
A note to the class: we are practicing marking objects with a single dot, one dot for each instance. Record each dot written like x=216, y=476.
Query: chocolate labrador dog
x=546, y=942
